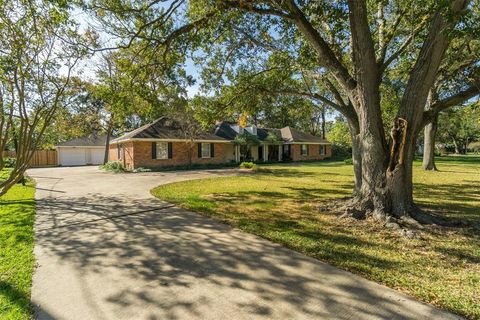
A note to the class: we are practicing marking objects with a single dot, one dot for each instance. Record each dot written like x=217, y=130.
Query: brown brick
x=139, y=154
x=313, y=152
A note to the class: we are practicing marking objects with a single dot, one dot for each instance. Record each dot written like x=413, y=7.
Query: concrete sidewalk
x=106, y=249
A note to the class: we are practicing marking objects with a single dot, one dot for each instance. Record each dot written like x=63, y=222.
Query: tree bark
x=356, y=159
x=429, y=145
x=455, y=144
x=323, y=122
x=107, y=143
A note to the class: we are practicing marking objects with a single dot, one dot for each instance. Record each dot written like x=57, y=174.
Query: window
x=321, y=150
x=206, y=150
x=119, y=151
x=304, y=150
x=162, y=150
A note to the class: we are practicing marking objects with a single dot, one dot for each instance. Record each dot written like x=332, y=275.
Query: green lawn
x=17, y=210
x=280, y=203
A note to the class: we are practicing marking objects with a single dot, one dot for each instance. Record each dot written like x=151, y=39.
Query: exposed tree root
x=407, y=225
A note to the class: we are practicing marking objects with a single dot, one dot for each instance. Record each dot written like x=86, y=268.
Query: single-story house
x=82, y=151
x=162, y=143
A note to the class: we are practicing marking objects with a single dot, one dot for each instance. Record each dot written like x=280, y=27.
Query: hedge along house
x=162, y=143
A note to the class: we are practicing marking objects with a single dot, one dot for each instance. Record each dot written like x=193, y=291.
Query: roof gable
x=293, y=135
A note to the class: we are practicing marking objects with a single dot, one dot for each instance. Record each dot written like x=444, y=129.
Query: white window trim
x=306, y=149
x=322, y=149
x=165, y=144
x=209, y=150
x=120, y=151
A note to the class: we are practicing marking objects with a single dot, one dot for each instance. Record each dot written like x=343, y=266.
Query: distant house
x=162, y=143
x=82, y=151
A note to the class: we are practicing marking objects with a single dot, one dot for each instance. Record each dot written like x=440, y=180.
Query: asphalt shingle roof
x=293, y=135
x=165, y=128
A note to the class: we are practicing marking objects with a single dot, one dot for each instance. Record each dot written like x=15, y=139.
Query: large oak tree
x=355, y=48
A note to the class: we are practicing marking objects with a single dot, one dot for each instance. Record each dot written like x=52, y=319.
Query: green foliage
x=339, y=133
x=273, y=138
x=10, y=162
x=246, y=139
x=248, y=165
x=459, y=126
x=348, y=161
x=340, y=151
x=113, y=166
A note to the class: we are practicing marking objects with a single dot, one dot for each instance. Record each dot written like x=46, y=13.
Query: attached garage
x=82, y=151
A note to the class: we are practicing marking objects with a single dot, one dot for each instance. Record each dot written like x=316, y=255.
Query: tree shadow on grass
x=462, y=200
x=15, y=297
x=173, y=264
x=459, y=159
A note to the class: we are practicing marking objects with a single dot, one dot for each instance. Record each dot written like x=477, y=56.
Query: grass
x=17, y=210
x=280, y=203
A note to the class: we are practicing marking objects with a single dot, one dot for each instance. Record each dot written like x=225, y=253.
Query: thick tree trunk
x=430, y=132
x=356, y=157
x=107, y=146
x=455, y=144
x=369, y=155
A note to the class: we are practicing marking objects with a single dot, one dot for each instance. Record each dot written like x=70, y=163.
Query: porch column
x=237, y=153
x=265, y=152
x=280, y=152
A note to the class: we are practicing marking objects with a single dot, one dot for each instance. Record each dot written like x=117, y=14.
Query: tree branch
x=453, y=100
x=362, y=43
x=346, y=110
x=248, y=5
x=405, y=44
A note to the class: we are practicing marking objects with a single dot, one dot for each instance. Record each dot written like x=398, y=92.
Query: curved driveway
x=107, y=249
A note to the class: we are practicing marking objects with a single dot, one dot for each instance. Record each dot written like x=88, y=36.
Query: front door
x=260, y=153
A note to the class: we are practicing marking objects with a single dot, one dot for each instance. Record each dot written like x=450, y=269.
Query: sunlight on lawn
x=280, y=203
x=16, y=256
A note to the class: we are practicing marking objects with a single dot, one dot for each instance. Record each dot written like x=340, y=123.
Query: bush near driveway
x=17, y=211
x=280, y=203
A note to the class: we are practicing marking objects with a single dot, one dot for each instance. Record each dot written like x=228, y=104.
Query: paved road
x=106, y=249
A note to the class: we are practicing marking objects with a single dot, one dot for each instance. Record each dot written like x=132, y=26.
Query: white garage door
x=72, y=156
x=97, y=155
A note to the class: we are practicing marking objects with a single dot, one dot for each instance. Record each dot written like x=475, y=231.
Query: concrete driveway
x=106, y=249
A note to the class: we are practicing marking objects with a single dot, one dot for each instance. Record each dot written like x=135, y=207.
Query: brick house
x=163, y=144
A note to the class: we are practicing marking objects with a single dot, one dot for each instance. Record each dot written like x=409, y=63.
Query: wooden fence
x=40, y=158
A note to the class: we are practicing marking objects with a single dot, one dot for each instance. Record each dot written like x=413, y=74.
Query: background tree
x=459, y=127
x=246, y=141
x=32, y=53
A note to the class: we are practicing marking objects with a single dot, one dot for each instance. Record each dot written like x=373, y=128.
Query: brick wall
x=313, y=152
x=127, y=154
x=139, y=154
x=223, y=153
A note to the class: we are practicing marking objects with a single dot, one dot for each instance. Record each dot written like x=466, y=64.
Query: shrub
x=114, y=166
x=348, y=161
x=248, y=165
x=286, y=158
x=10, y=162
x=341, y=152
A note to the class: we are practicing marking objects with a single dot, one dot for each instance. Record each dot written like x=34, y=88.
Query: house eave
x=308, y=142
x=168, y=140
x=98, y=147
